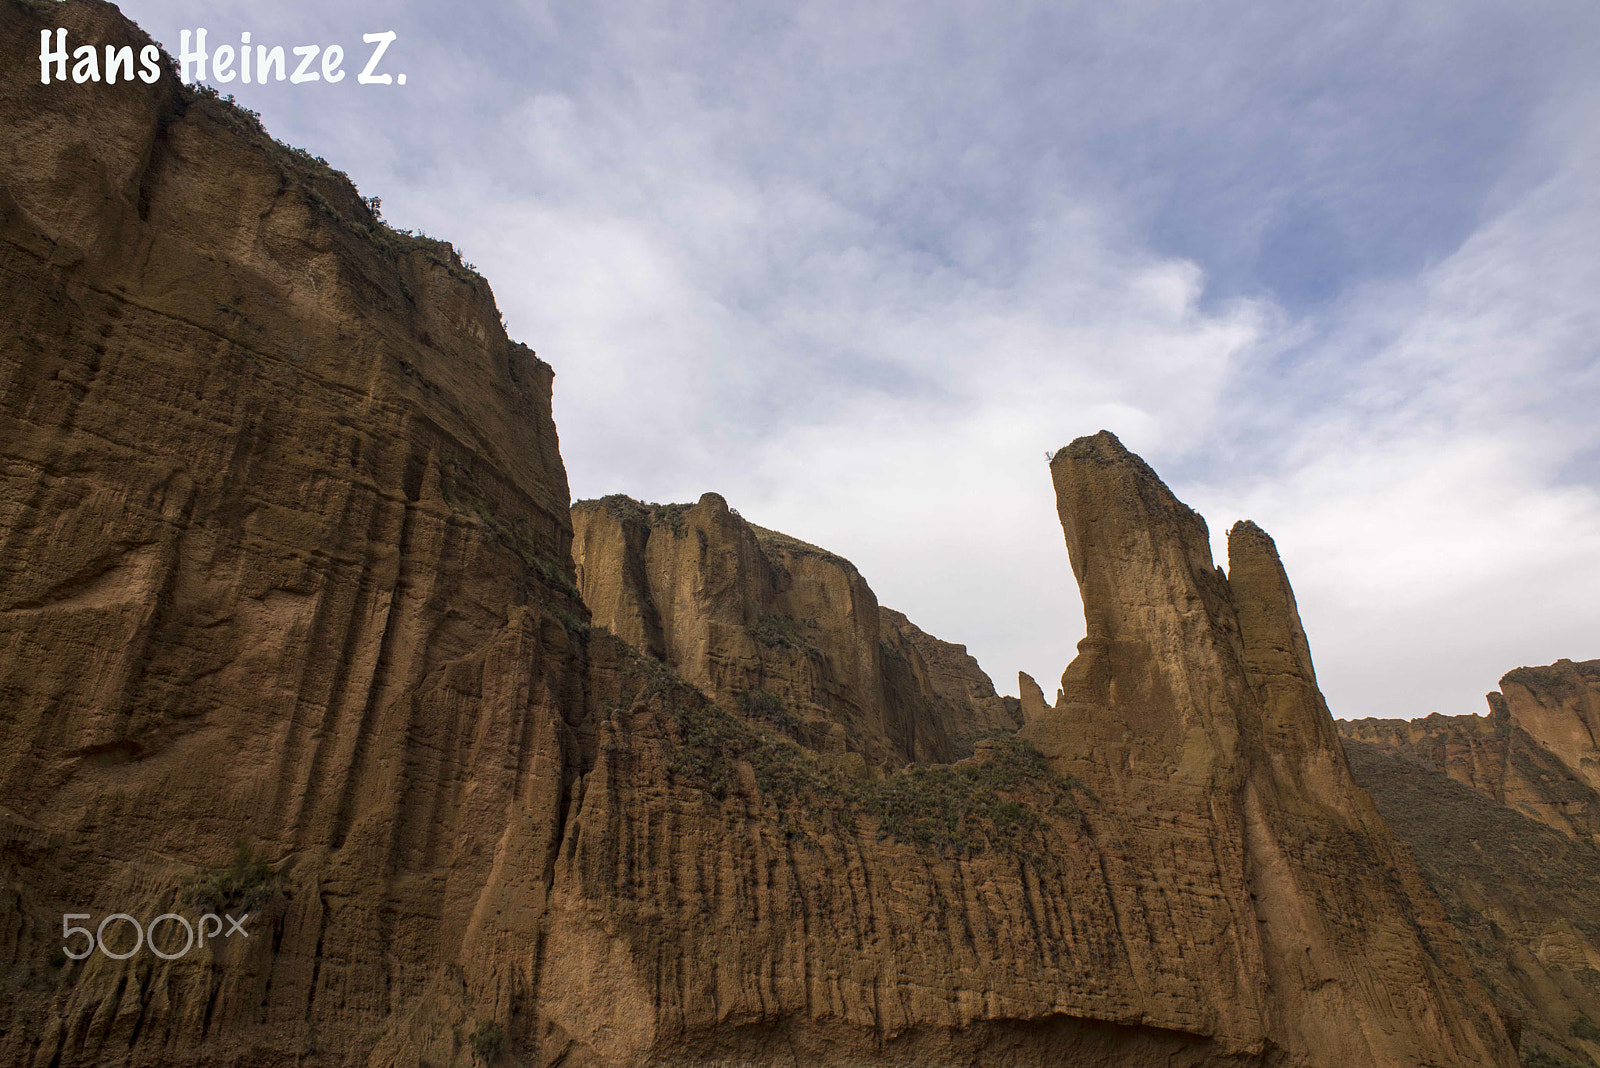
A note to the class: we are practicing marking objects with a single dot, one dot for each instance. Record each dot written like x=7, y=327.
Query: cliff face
x=1505, y=829
x=290, y=627
x=1287, y=906
x=1536, y=750
x=287, y=565
x=769, y=623
x=1525, y=897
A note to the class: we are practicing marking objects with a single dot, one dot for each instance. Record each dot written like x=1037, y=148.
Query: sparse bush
x=1002, y=804
x=998, y=804
x=1585, y=1028
x=488, y=1041
x=247, y=883
x=768, y=706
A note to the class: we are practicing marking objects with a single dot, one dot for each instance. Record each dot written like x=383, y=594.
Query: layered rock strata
x=772, y=625
x=1505, y=830
x=1535, y=751
x=290, y=627
x=1286, y=907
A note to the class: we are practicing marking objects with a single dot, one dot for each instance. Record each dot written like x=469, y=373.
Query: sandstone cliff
x=1536, y=751
x=779, y=629
x=287, y=566
x=290, y=626
x=1192, y=709
x=1510, y=844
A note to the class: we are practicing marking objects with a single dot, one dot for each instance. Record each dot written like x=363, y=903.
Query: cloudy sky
x=858, y=266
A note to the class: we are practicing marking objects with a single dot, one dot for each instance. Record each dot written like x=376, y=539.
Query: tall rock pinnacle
x=1193, y=703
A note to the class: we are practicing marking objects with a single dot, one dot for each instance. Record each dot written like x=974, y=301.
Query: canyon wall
x=290, y=626
x=287, y=573
x=770, y=624
x=1501, y=813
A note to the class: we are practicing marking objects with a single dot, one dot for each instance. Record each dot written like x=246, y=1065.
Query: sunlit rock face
x=291, y=627
x=1192, y=707
x=767, y=622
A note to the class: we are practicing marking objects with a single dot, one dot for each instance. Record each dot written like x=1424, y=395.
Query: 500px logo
x=145, y=935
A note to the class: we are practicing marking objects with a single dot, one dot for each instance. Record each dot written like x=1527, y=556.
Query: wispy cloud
x=858, y=266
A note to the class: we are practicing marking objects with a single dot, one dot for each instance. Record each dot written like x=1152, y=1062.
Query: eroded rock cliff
x=1525, y=897
x=1505, y=831
x=290, y=627
x=1535, y=751
x=1284, y=904
x=781, y=629
x=287, y=567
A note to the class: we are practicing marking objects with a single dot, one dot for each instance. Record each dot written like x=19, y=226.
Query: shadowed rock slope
x=776, y=627
x=1535, y=751
x=288, y=625
x=1526, y=899
x=1505, y=831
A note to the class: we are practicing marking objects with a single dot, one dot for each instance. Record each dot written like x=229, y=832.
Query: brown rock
x=1525, y=896
x=1510, y=845
x=1192, y=708
x=1032, y=698
x=288, y=565
x=1559, y=707
x=766, y=622
x=1532, y=752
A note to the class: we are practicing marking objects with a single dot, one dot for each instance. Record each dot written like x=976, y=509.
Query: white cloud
x=858, y=266
x=1423, y=510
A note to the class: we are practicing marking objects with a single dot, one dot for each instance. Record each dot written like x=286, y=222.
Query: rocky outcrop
x=290, y=628
x=1505, y=831
x=772, y=625
x=1559, y=707
x=1032, y=697
x=1535, y=751
x=1287, y=912
x=287, y=570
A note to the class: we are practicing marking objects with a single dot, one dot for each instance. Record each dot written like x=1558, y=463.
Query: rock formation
x=287, y=567
x=291, y=628
x=1505, y=830
x=770, y=624
x=1525, y=897
x=1031, y=703
x=1533, y=751
x=1192, y=709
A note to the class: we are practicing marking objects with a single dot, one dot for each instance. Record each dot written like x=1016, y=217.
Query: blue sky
x=858, y=266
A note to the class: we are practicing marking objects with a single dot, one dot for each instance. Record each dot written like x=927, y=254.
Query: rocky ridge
x=1535, y=751
x=291, y=626
x=776, y=627
x=1504, y=829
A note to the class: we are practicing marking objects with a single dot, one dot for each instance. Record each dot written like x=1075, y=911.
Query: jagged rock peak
x=741, y=610
x=1192, y=706
x=1142, y=559
x=1031, y=697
